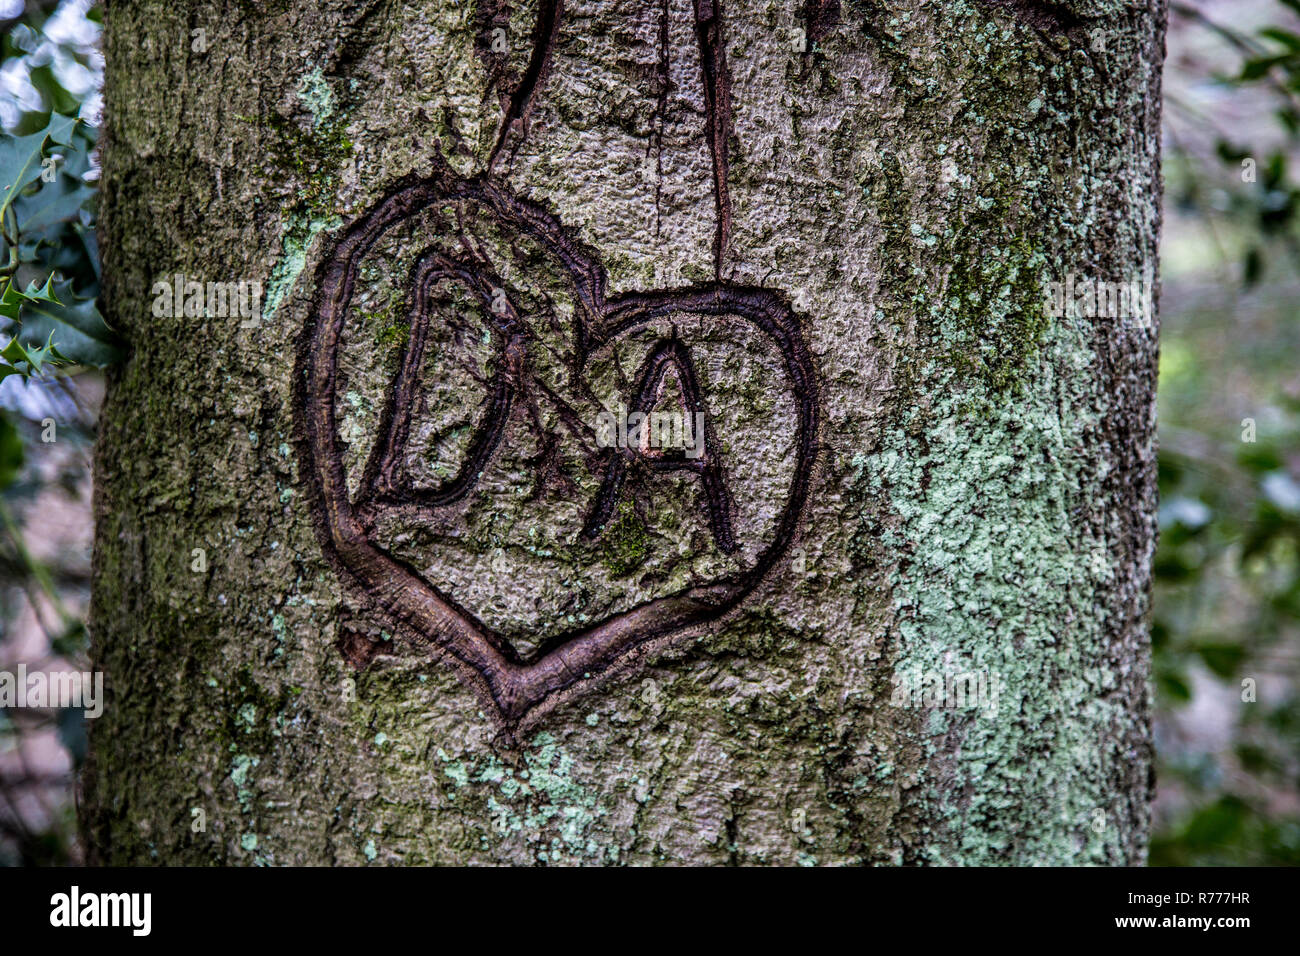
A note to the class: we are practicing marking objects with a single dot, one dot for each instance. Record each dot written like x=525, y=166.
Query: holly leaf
x=90, y=241
x=74, y=326
x=53, y=203
x=13, y=298
x=19, y=355
x=21, y=156
x=59, y=199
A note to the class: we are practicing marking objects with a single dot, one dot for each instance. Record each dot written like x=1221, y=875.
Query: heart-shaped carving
x=519, y=688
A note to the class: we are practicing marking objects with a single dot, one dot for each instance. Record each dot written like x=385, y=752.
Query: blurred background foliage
x=52, y=343
x=1227, y=593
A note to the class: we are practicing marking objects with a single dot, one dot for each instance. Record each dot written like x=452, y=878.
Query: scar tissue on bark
x=358, y=649
x=517, y=689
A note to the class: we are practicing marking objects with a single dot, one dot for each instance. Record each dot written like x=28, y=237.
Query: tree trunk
x=375, y=578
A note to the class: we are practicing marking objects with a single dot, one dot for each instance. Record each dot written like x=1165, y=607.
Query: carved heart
x=519, y=687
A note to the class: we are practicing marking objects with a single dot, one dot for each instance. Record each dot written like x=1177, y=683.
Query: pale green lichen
x=316, y=95
x=985, y=592
x=542, y=802
x=314, y=156
x=241, y=766
x=957, y=478
x=297, y=238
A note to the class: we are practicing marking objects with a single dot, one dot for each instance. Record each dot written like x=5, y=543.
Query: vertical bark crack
x=521, y=100
x=661, y=113
x=717, y=105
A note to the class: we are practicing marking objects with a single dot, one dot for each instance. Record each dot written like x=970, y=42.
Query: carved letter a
x=669, y=355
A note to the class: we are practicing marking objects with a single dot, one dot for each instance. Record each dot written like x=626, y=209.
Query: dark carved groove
x=385, y=482
x=670, y=354
x=717, y=104
x=544, y=31
x=517, y=689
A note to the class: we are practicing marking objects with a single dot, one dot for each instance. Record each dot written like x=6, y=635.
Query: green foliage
x=49, y=283
x=1269, y=201
x=43, y=194
x=74, y=323
x=11, y=453
x=22, y=158
x=1229, y=831
x=1227, y=570
x=1227, y=595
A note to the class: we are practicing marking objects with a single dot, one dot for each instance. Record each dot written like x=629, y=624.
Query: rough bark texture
x=703, y=195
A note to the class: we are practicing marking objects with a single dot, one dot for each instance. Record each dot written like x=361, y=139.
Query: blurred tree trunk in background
x=333, y=635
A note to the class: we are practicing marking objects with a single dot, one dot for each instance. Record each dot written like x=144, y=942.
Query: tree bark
x=370, y=585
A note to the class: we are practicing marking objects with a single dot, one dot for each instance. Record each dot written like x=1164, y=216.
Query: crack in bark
x=489, y=17
x=661, y=113
x=821, y=15
x=521, y=100
x=717, y=105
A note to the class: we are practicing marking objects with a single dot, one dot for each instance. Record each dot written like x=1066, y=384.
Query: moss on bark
x=983, y=498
